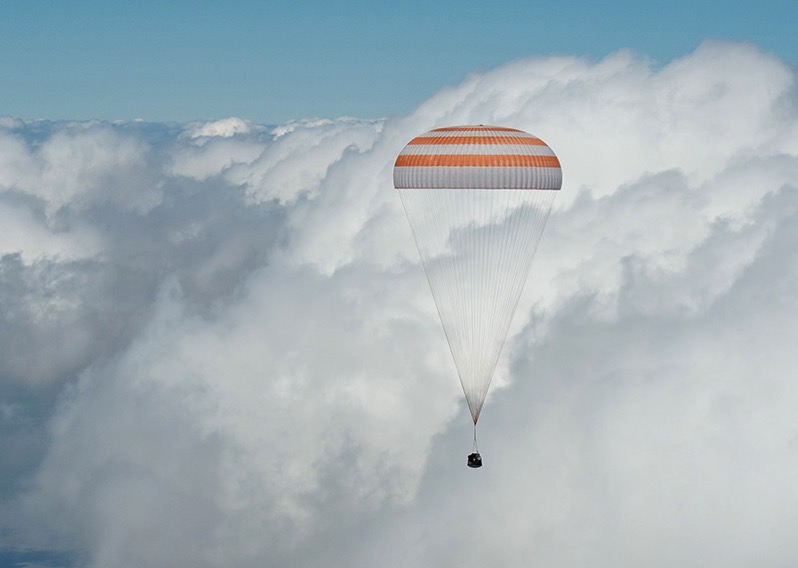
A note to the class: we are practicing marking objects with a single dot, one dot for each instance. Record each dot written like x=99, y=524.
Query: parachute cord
x=475, y=448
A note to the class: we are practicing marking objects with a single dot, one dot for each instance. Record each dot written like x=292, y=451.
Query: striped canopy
x=477, y=157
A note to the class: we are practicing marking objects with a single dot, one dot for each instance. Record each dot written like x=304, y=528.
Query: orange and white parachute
x=477, y=199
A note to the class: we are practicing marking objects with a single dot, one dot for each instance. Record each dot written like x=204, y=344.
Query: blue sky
x=274, y=61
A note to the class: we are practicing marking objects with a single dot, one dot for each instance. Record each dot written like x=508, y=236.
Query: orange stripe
x=508, y=160
x=477, y=140
x=476, y=129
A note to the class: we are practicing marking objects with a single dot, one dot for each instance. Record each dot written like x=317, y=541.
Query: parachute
x=477, y=199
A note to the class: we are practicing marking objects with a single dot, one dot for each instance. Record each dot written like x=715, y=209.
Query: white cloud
x=213, y=157
x=29, y=235
x=78, y=165
x=223, y=128
x=280, y=391
x=9, y=122
x=298, y=163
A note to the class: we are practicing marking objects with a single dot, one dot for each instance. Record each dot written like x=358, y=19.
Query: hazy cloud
x=218, y=347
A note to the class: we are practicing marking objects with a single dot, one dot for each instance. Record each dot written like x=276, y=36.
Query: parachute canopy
x=477, y=199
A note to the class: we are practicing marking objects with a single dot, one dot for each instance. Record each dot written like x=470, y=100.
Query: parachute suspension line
x=475, y=448
x=476, y=248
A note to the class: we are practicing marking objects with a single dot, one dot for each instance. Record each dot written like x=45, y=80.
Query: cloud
x=79, y=164
x=236, y=360
x=224, y=128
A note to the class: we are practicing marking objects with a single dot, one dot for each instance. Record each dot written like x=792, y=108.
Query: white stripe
x=508, y=149
x=489, y=177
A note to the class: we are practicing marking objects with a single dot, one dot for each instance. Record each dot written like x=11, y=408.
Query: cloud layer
x=218, y=347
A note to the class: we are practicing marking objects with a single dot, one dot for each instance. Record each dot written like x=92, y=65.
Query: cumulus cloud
x=235, y=359
x=224, y=128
